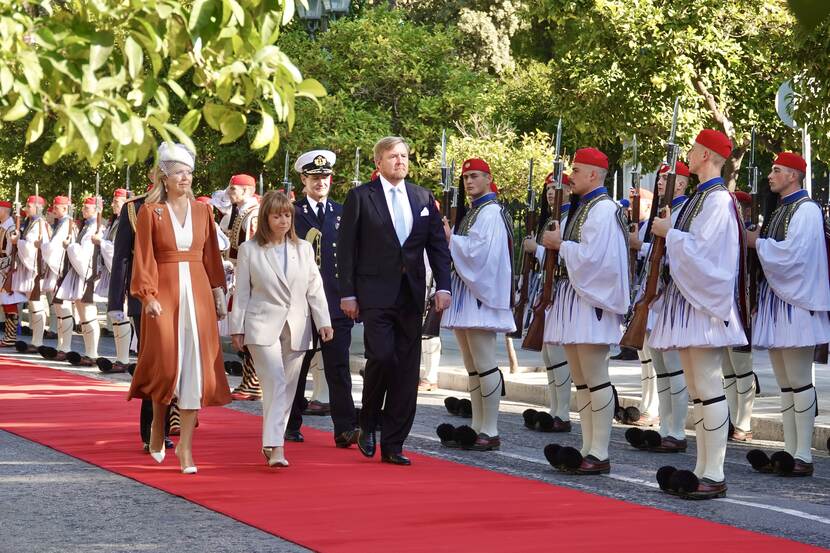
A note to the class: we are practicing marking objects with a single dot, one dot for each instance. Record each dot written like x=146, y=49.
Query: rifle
x=536, y=331
x=634, y=220
x=432, y=318
x=751, y=264
x=356, y=180
x=7, y=282
x=528, y=259
x=635, y=333
x=286, y=183
x=128, y=186
x=261, y=185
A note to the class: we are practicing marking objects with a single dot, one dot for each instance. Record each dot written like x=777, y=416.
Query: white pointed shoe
x=190, y=470
x=158, y=456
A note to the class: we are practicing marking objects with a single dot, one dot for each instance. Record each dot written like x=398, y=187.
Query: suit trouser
x=335, y=355
x=278, y=369
x=392, y=340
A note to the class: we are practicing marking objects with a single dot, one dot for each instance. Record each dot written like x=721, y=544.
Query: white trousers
x=320, y=386
x=278, y=369
x=594, y=396
x=478, y=349
x=430, y=358
x=702, y=368
x=90, y=327
x=65, y=322
x=793, y=368
x=739, y=387
x=672, y=393
x=648, y=384
x=38, y=313
x=559, y=381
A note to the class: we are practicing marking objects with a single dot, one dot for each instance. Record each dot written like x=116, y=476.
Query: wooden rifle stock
x=635, y=333
x=536, y=331
x=528, y=261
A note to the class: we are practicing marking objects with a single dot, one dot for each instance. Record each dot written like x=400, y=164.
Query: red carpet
x=336, y=500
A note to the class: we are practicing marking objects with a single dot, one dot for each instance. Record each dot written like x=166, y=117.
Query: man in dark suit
x=387, y=225
x=317, y=219
x=119, y=290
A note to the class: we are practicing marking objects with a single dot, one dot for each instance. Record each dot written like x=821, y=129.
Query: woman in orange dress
x=178, y=277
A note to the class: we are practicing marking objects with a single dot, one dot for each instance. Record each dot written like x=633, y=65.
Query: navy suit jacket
x=373, y=264
x=304, y=220
x=122, y=264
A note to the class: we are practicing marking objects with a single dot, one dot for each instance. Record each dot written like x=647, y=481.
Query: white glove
x=117, y=316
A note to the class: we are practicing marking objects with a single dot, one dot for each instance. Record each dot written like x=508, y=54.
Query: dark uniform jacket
x=324, y=244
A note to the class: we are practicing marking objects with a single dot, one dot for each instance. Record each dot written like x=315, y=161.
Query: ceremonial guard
x=553, y=355
x=27, y=279
x=672, y=393
x=481, y=247
x=699, y=315
x=78, y=284
x=239, y=225
x=317, y=220
x=8, y=260
x=739, y=381
x=121, y=331
x=592, y=295
x=54, y=256
x=793, y=305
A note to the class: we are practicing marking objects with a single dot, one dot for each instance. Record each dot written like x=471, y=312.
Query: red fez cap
x=374, y=175
x=565, y=178
x=680, y=168
x=120, y=193
x=4, y=203
x=243, y=180
x=50, y=209
x=791, y=160
x=494, y=188
x=475, y=164
x=38, y=200
x=204, y=200
x=715, y=141
x=90, y=200
x=591, y=156
x=60, y=200
x=743, y=197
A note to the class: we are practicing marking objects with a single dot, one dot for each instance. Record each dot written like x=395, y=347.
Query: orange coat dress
x=156, y=275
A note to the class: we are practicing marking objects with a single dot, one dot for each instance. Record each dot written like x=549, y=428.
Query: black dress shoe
x=366, y=443
x=294, y=436
x=347, y=438
x=395, y=459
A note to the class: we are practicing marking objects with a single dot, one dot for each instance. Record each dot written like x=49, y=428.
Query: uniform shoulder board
x=134, y=198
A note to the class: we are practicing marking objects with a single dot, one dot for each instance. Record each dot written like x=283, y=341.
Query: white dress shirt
x=403, y=203
x=313, y=203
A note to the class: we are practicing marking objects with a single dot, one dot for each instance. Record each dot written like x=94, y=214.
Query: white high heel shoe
x=158, y=456
x=187, y=470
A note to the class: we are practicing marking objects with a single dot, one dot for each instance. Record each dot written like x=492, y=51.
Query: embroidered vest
x=573, y=228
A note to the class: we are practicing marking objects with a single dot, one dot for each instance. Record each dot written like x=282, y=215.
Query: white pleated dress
x=698, y=308
x=588, y=306
x=482, y=275
x=189, y=373
x=794, y=297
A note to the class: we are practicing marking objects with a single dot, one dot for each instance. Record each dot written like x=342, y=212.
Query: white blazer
x=265, y=300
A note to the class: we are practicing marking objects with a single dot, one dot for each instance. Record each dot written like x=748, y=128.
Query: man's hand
x=447, y=229
x=552, y=239
x=236, y=341
x=530, y=245
x=13, y=236
x=442, y=300
x=66, y=243
x=634, y=242
x=662, y=224
x=350, y=308
x=752, y=237
x=96, y=238
x=326, y=333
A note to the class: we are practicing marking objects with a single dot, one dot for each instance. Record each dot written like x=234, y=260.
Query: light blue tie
x=397, y=216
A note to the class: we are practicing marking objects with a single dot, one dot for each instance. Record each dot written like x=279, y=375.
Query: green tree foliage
x=612, y=68
x=102, y=75
x=384, y=75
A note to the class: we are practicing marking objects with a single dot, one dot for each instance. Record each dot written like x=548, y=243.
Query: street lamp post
x=319, y=12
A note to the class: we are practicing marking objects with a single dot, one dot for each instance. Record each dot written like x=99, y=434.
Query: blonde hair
x=387, y=143
x=158, y=194
x=274, y=201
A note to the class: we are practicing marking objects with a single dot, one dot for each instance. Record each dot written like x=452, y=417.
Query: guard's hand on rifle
x=350, y=308
x=96, y=239
x=66, y=243
x=752, y=237
x=552, y=239
x=447, y=229
x=634, y=242
x=662, y=224
x=529, y=245
x=13, y=236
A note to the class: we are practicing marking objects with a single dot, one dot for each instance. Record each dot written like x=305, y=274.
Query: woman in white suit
x=278, y=283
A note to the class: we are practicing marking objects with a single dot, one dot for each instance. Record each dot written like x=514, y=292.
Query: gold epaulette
x=131, y=210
